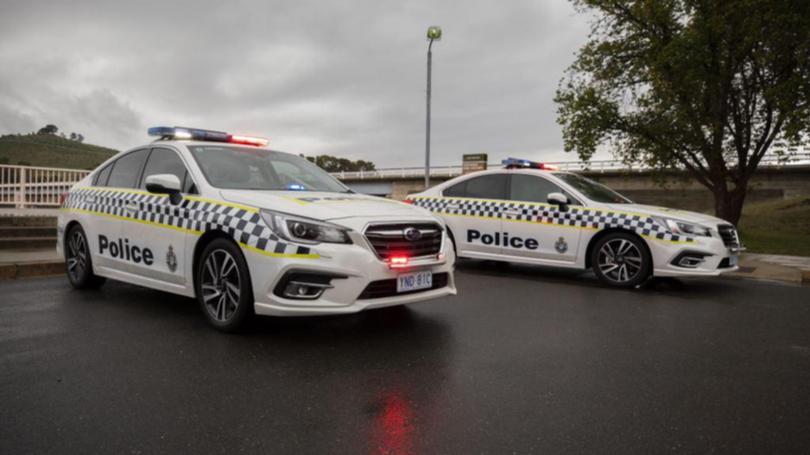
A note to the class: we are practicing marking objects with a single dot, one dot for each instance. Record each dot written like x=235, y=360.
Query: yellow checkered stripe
x=192, y=215
x=574, y=217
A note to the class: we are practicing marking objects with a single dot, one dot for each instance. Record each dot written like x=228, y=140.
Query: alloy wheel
x=620, y=260
x=221, y=285
x=77, y=255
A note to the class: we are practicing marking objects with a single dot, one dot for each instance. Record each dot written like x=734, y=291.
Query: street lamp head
x=434, y=32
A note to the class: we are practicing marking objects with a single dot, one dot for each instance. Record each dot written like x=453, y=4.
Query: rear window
x=492, y=186
x=127, y=170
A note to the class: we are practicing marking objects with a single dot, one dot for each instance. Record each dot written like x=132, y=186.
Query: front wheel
x=223, y=286
x=621, y=260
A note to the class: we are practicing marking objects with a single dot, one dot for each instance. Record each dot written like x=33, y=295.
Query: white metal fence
x=27, y=186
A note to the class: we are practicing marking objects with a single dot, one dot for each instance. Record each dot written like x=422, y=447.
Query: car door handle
x=131, y=206
x=452, y=206
x=512, y=212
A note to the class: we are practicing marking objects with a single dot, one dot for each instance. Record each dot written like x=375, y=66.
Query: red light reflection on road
x=393, y=427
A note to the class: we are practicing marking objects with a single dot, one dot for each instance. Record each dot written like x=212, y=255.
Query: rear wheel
x=621, y=260
x=223, y=286
x=78, y=263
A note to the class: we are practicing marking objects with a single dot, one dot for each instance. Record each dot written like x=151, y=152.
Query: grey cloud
x=344, y=78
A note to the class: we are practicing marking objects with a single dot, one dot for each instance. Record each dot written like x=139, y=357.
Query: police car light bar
x=195, y=134
x=516, y=163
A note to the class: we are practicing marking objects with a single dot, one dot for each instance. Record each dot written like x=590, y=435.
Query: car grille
x=388, y=288
x=729, y=235
x=389, y=239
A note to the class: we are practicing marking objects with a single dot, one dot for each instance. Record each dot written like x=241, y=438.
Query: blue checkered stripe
x=574, y=217
x=191, y=214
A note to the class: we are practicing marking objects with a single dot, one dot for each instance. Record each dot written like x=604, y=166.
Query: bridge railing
x=29, y=186
x=771, y=160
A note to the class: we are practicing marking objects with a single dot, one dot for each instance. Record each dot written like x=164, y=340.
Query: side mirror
x=165, y=184
x=559, y=200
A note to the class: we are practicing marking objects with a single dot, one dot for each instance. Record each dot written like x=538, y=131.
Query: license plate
x=414, y=281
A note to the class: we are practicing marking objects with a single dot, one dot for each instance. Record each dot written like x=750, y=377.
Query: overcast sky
x=344, y=78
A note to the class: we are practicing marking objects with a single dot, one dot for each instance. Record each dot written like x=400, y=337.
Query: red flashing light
x=248, y=140
x=398, y=262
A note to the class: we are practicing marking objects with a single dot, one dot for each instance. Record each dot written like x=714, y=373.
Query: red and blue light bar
x=517, y=163
x=196, y=134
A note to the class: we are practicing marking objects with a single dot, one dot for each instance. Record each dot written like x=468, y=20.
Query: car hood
x=324, y=206
x=685, y=215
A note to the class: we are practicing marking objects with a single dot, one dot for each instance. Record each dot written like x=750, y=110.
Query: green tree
x=334, y=164
x=48, y=129
x=703, y=85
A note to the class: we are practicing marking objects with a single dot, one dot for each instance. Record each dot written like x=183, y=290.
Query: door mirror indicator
x=559, y=200
x=165, y=184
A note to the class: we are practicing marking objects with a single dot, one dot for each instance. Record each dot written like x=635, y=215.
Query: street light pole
x=434, y=33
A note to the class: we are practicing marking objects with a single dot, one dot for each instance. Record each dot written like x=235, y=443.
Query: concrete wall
x=673, y=189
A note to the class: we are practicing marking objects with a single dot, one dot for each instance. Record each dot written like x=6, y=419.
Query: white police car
x=246, y=229
x=530, y=212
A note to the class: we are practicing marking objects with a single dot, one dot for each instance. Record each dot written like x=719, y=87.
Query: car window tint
x=457, y=190
x=491, y=186
x=127, y=170
x=164, y=161
x=531, y=188
x=103, y=175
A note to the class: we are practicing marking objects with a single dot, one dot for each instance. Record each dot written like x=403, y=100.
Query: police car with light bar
x=532, y=213
x=246, y=230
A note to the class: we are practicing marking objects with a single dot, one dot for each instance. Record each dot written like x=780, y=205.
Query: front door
x=545, y=231
x=156, y=227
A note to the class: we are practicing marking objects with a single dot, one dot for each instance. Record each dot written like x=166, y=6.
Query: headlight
x=304, y=230
x=684, y=227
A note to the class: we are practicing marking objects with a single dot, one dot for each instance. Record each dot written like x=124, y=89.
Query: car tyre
x=78, y=261
x=621, y=260
x=223, y=287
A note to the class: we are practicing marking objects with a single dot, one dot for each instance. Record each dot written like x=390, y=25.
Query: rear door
x=112, y=249
x=475, y=205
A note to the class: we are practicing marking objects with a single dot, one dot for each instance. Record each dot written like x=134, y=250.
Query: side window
x=491, y=186
x=531, y=188
x=457, y=190
x=103, y=175
x=127, y=170
x=165, y=161
x=188, y=184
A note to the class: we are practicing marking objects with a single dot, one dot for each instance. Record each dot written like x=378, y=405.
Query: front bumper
x=715, y=258
x=356, y=264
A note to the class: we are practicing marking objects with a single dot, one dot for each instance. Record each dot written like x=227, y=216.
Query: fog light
x=304, y=291
x=690, y=259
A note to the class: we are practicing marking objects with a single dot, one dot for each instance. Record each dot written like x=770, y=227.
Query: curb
x=31, y=269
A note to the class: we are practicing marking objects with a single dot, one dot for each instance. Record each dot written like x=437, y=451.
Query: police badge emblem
x=171, y=259
x=561, y=246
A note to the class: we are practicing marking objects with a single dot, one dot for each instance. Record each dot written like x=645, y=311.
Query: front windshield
x=592, y=190
x=246, y=168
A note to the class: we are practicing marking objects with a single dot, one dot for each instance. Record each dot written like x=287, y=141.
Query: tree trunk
x=728, y=204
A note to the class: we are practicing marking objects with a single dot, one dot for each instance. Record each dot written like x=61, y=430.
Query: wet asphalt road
x=524, y=360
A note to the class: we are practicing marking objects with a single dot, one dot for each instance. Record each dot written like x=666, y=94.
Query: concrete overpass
x=774, y=180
